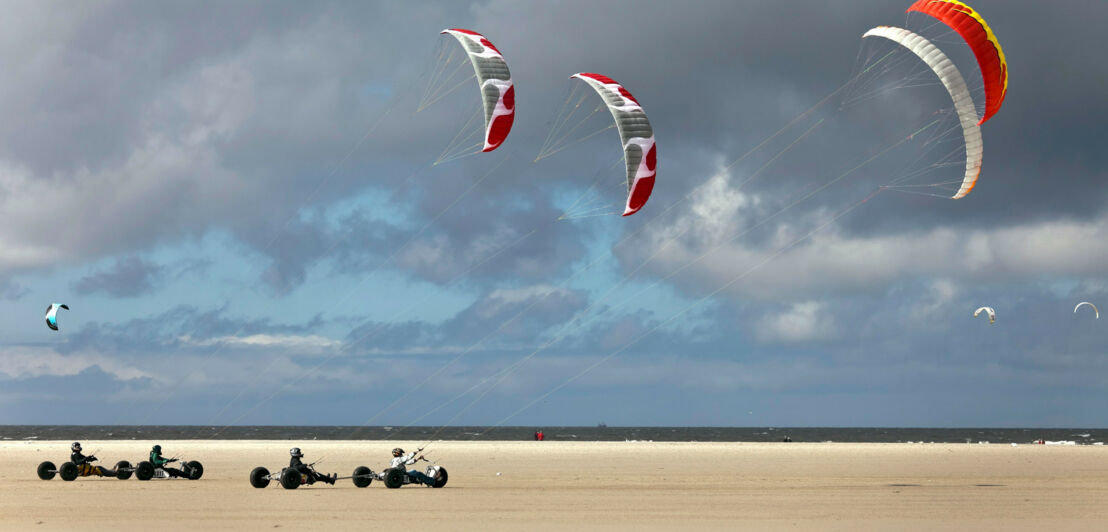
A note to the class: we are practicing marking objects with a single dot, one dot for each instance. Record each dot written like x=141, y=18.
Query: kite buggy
x=298, y=474
x=396, y=474
x=80, y=465
x=394, y=477
x=158, y=467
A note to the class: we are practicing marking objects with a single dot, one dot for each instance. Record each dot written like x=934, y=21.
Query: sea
x=596, y=433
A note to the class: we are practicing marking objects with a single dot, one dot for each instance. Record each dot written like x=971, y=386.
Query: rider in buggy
x=84, y=463
x=400, y=460
x=307, y=470
x=158, y=460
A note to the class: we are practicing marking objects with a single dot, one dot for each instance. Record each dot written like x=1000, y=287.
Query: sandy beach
x=579, y=485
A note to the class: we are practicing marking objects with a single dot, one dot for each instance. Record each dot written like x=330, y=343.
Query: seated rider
x=400, y=460
x=158, y=460
x=84, y=463
x=307, y=470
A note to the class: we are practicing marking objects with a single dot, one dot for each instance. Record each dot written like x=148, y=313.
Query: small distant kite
x=52, y=315
x=1087, y=303
x=987, y=310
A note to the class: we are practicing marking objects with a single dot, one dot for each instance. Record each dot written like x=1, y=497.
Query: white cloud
x=23, y=362
x=803, y=322
x=832, y=261
x=287, y=341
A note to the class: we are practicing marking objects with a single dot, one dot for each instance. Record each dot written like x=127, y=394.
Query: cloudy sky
x=247, y=208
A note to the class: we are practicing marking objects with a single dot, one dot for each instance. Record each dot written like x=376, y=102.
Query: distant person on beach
x=536, y=435
x=306, y=470
x=84, y=463
x=158, y=460
x=401, y=461
x=539, y=435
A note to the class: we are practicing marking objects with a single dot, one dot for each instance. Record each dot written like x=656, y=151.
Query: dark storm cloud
x=131, y=277
x=524, y=242
x=392, y=337
x=520, y=316
x=302, y=243
x=11, y=290
x=128, y=277
x=178, y=328
x=504, y=318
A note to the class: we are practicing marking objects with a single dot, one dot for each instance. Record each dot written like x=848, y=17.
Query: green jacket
x=157, y=460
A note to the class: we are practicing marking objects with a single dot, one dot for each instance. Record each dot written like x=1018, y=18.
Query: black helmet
x=157, y=448
x=295, y=451
x=76, y=446
x=397, y=452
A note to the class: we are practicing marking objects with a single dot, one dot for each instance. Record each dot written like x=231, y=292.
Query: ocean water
x=701, y=434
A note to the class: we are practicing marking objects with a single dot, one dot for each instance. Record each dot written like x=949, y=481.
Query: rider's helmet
x=397, y=452
x=295, y=451
x=76, y=446
x=157, y=449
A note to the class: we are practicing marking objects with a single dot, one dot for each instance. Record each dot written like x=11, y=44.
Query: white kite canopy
x=956, y=85
x=987, y=310
x=634, y=132
x=1087, y=303
x=498, y=93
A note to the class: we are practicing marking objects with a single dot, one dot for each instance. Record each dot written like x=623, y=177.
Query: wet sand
x=577, y=485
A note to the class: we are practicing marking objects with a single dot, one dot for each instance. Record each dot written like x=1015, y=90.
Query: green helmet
x=157, y=449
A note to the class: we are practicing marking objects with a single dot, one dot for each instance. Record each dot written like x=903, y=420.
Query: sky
x=256, y=215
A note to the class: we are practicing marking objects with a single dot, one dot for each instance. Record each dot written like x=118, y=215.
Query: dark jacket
x=296, y=464
x=78, y=458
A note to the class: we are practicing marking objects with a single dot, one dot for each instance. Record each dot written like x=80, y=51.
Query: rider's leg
x=423, y=479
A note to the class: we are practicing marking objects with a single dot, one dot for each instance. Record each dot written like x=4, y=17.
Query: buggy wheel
x=195, y=470
x=291, y=479
x=440, y=478
x=123, y=470
x=46, y=470
x=144, y=470
x=362, y=476
x=259, y=477
x=68, y=471
x=394, y=478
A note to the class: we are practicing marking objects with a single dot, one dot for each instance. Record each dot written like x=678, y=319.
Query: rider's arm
x=78, y=458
